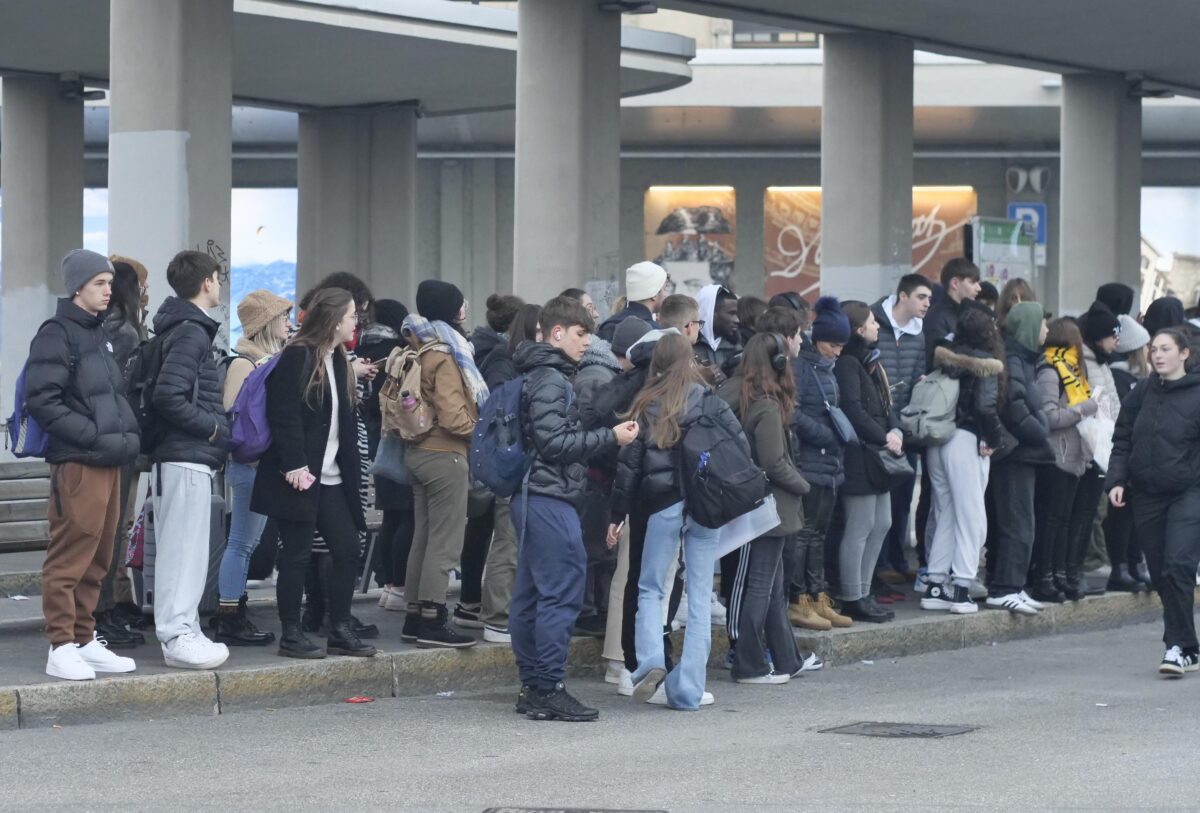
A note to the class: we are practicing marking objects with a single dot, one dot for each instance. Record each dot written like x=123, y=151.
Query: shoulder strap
x=817, y=379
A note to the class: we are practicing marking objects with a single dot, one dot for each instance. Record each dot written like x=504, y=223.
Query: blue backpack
x=25, y=436
x=498, y=457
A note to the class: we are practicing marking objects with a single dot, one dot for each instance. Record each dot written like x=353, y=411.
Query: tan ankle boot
x=804, y=614
x=825, y=609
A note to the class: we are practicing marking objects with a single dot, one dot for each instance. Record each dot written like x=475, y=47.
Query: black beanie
x=1164, y=312
x=391, y=313
x=1117, y=297
x=439, y=301
x=1099, y=323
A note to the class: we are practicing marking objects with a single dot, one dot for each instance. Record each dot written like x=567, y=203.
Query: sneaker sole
x=112, y=670
x=543, y=716
x=963, y=609
x=761, y=682
x=497, y=637
x=935, y=604
x=211, y=664
x=1171, y=671
x=408, y=639
x=61, y=676
x=469, y=623
x=1028, y=610
x=645, y=688
x=423, y=644
x=304, y=656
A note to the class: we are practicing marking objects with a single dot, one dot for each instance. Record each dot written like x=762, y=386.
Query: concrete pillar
x=1101, y=189
x=568, y=147
x=866, y=165
x=467, y=241
x=357, y=207
x=170, y=162
x=41, y=179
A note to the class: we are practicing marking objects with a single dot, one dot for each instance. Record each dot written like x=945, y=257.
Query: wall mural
x=691, y=231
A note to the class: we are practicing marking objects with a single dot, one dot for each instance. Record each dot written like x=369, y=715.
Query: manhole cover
x=919, y=730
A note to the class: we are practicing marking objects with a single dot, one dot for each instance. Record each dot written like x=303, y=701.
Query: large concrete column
x=357, y=207
x=41, y=178
x=866, y=165
x=1101, y=189
x=568, y=146
x=170, y=144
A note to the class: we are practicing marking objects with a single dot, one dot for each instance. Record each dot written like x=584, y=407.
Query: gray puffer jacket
x=1069, y=452
x=901, y=354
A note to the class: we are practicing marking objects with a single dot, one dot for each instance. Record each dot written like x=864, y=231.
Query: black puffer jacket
x=648, y=476
x=1156, y=443
x=978, y=390
x=1022, y=413
x=609, y=327
x=186, y=427
x=299, y=433
x=552, y=430
x=484, y=340
x=819, y=454
x=940, y=322
x=498, y=367
x=902, y=355
x=864, y=405
x=75, y=392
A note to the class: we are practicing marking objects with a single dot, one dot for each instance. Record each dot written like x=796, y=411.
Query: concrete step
x=31, y=531
x=22, y=510
x=24, y=489
x=24, y=470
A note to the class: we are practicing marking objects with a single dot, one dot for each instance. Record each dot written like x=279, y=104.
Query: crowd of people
x=1063, y=446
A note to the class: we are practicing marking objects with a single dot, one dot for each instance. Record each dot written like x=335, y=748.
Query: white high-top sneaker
x=96, y=655
x=64, y=661
x=192, y=651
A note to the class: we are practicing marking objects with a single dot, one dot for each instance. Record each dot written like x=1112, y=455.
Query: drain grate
x=909, y=730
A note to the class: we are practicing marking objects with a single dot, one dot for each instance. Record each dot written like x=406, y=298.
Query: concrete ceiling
x=301, y=54
x=1155, y=38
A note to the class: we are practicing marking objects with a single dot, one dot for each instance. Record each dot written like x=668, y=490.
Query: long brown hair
x=1015, y=291
x=1064, y=332
x=325, y=309
x=673, y=372
x=760, y=379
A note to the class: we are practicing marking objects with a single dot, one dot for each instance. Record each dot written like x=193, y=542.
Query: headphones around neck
x=779, y=358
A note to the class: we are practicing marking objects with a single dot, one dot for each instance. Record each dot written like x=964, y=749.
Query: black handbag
x=841, y=424
x=885, y=470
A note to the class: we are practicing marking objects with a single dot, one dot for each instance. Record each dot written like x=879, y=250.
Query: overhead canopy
x=1155, y=38
x=444, y=56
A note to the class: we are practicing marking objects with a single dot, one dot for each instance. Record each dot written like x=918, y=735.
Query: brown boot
x=803, y=614
x=825, y=609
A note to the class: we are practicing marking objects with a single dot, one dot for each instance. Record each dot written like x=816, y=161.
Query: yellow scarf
x=1065, y=362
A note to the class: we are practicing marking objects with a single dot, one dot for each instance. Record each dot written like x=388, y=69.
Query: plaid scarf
x=1065, y=361
x=426, y=331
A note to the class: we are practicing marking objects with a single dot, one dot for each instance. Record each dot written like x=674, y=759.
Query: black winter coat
x=187, y=354
x=978, y=390
x=819, y=453
x=484, y=340
x=498, y=367
x=1022, y=413
x=1156, y=443
x=299, y=432
x=867, y=410
x=75, y=392
x=647, y=476
x=940, y=322
x=609, y=326
x=389, y=496
x=902, y=356
x=553, y=432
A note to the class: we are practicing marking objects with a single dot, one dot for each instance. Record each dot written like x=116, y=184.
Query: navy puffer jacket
x=819, y=453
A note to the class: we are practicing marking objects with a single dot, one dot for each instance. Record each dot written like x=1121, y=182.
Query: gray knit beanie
x=80, y=266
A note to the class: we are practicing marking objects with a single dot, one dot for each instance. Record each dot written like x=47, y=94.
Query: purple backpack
x=248, y=419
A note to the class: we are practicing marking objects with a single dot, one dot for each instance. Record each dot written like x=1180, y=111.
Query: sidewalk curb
x=424, y=671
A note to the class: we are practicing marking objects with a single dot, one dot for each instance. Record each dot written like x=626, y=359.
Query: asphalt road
x=1072, y=722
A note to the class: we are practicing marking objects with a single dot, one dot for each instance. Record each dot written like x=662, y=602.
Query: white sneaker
x=612, y=672
x=64, y=661
x=194, y=651
x=660, y=697
x=496, y=635
x=769, y=679
x=812, y=663
x=648, y=685
x=718, y=611
x=1175, y=662
x=394, y=601
x=1028, y=599
x=1013, y=603
x=625, y=684
x=681, y=615
x=454, y=585
x=96, y=655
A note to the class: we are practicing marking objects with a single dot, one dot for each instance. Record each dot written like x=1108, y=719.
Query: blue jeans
x=548, y=591
x=245, y=529
x=685, y=683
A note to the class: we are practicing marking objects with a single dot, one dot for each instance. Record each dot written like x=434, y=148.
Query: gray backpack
x=928, y=420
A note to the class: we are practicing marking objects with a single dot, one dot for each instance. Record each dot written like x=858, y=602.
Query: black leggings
x=337, y=527
x=395, y=541
x=477, y=540
x=1052, y=506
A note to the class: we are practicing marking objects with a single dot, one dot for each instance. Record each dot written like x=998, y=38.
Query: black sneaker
x=523, y=698
x=128, y=615
x=435, y=633
x=1175, y=662
x=467, y=615
x=412, y=625
x=937, y=597
x=558, y=704
x=962, y=603
x=591, y=626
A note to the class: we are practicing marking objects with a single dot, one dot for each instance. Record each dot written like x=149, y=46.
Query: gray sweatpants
x=182, y=515
x=868, y=519
x=959, y=477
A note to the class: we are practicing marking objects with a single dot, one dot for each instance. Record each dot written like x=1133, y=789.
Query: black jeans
x=1119, y=536
x=924, y=506
x=637, y=544
x=761, y=617
x=1012, y=486
x=395, y=541
x=1169, y=528
x=807, y=569
x=1052, y=508
x=1083, y=517
x=477, y=540
x=594, y=517
x=336, y=524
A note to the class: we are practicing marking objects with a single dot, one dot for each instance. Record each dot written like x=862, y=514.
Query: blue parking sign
x=1035, y=214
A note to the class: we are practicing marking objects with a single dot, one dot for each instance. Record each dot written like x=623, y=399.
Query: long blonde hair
x=673, y=372
x=325, y=310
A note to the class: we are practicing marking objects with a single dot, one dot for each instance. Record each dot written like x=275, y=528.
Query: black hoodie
x=189, y=414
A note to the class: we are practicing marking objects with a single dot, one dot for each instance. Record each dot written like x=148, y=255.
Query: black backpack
x=141, y=376
x=720, y=479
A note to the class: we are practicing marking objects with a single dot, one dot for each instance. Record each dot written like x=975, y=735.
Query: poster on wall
x=792, y=233
x=1004, y=249
x=691, y=231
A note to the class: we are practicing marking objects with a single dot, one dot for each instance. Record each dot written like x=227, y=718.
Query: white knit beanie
x=644, y=280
